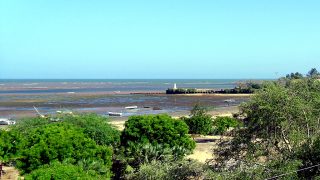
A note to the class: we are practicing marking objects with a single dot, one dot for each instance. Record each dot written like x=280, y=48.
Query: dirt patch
x=204, y=147
x=10, y=173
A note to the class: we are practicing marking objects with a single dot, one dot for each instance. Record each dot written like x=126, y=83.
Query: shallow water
x=17, y=97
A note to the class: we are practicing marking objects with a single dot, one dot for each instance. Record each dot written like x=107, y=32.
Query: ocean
x=18, y=97
x=109, y=85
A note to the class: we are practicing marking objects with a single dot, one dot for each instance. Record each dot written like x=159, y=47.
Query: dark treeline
x=242, y=88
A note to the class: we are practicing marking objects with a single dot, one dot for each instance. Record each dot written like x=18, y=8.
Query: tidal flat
x=18, y=105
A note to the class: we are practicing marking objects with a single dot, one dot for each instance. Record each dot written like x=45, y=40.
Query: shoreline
x=119, y=122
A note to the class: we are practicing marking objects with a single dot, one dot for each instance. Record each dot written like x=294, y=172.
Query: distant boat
x=64, y=112
x=229, y=101
x=5, y=121
x=131, y=107
x=114, y=114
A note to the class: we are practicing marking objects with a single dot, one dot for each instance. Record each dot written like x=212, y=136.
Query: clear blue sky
x=158, y=39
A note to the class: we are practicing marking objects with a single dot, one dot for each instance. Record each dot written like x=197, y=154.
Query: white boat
x=64, y=112
x=229, y=101
x=5, y=121
x=114, y=114
x=131, y=107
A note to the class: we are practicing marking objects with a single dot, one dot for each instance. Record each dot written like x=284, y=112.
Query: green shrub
x=59, y=142
x=309, y=154
x=155, y=130
x=200, y=122
x=9, y=145
x=23, y=126
x=178, y=170
x=56, y=171
x=96, y=127
x=223, y=123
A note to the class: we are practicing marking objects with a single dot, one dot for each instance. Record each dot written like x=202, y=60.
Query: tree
x=60, y=142
x=296, y=75
x=313, y=73
x=96, y=127
x=223, y=123
x=279, y=119
x=9, y=145
x=154, y=131
x=309, y=153
x=200, y=121
x=57, y=170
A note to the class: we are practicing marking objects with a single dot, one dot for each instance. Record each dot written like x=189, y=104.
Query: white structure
x=5, y=121
x=131, y=107
x=175, y=86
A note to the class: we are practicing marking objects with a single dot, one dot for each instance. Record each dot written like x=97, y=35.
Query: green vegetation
x=313, y=73
x=181, y=91
x=280, y=134
x=96, y=127
x=151, y=133
x=223, y=123
x=59, y=142
x=178, y=170
x=9, y=145
x=200, y=122
x=243, y=88
x=57, y=171
x=36, y=143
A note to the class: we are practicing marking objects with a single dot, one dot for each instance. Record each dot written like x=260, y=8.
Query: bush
x=155, y=130
x=96, y=127
x=309, y=154
x=9, y=145
x=59, y=142
x=223, y=123
x=23, y=126
x=57, y=171
x=178, y=170
x=200, y=122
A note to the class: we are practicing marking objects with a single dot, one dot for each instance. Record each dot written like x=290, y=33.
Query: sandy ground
x=10, y=173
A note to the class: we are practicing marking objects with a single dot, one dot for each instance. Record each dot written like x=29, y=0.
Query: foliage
x=286, y=115
x=58, y=170
x=23, y=126
x=296, y=75
x=155, y=131
x=9, y=145
x=309, y=153
x=200, y=122
x=179, y=170
x=146, y=153
x=96, y=127
x=279, y=119
x=223, y=123
x=59, y=142
x=313, y=73
x=243, y=88
x=181, y=91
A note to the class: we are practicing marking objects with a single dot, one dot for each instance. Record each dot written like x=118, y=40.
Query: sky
x=167, y=39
